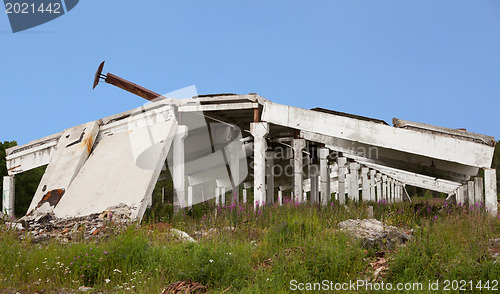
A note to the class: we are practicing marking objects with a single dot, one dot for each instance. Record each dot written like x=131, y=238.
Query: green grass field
x=247, y=251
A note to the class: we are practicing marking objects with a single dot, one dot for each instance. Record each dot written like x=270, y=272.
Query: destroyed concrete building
x=213, y=144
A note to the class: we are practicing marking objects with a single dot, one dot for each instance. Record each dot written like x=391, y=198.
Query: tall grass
x=242, y=250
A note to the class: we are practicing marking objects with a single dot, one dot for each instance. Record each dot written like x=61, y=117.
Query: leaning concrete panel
x=123, y=168
x=72, y=151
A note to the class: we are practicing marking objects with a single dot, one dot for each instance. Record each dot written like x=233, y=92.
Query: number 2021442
x=25, y=8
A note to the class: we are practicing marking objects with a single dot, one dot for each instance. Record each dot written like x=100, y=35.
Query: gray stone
x=374, y=234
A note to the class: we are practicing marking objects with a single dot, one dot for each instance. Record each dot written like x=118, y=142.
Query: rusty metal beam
x=131, y=87
x=123, y=84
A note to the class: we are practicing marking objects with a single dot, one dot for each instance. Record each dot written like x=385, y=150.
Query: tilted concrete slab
x=406, y=140
x=412, y=179
x=73, y=149
x=123, y=167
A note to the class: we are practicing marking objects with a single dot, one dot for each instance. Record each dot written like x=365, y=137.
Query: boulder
x=374, y=234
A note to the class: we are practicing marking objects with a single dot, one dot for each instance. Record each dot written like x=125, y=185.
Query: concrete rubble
x=375, y=234
x=44, y=227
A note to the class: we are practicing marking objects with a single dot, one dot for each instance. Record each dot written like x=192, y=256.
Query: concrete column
x=470, y=192
x=341, y=162
x=270, y=177
x=280, y=197
x=314, y=182
x=328, y=184
x=478, y=190
x=378, y=183
x=490, y=191
x=459, y=195
x=324, y=174
x=353, y=181
x=393, y=192
x=217, y=196
x=8, y=195
x=178, y=168
x=259, y=131
x=384, y=187
x=298, y=145
x=365, y=184
x=234, y=166
x=372, y=185
x=190, y=196
x=244, y=195
x=399, y=190
x=223, y=196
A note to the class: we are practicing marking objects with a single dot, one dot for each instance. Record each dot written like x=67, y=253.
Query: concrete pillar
x=460, y=195
x=341, y=162
x=399, y=190
x=328, y=184
x=190, y=196
x=178, y=168
x=245, y=195
x=234, y=166
x=217, y=196
x=314, y=182
x=298, y=145
x=378, y=183
x=470, y=192
x=384, y=187
x=372, y=185
x=324, y=175
x=393, y=192
x=8, y=195
x=353, y=181
x=259, y=131
x=365, y=184
x=490, y=191
x=478, y=190
x=222, y=196
x=270, y=177
x=280, y=197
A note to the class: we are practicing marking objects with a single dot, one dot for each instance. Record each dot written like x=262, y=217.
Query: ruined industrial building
x=215, y=145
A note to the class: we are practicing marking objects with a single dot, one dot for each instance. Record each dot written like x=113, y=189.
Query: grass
x=246, y=251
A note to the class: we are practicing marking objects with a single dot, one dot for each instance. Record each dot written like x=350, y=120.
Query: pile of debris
x=375, y=234
x=46, y=226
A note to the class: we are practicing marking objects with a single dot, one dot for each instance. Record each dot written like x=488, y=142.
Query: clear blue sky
x=436, y=62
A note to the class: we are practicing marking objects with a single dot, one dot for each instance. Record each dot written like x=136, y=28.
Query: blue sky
x=436, y=62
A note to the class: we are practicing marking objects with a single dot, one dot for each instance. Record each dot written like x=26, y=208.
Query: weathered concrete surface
x=34, y=154
x=259, y=131
x=119, y=171
x=375, y=234
x=411, y=141
x=8, y=195
x=341, y=162
x=490, y=191
x=72, y=151
x=298, y=145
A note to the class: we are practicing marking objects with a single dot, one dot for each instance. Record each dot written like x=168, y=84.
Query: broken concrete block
x=374, y=234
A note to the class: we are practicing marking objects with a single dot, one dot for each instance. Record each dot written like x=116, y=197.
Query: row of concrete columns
x=375, y=186
x=471, y=193
x=392, y=190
